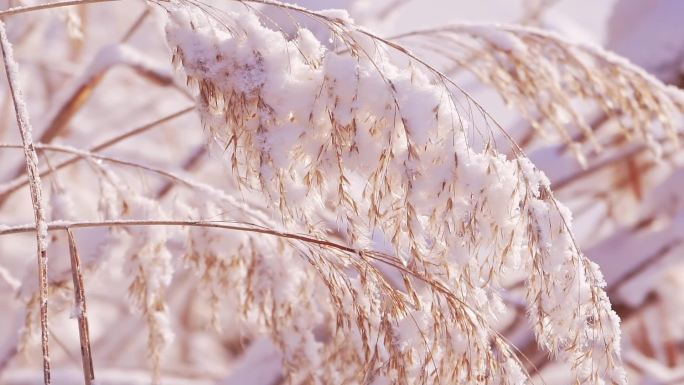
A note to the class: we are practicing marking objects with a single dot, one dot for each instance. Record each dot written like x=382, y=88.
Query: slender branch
x=12, y=71
x=380, y=257
x=81, y=310
x=190, y=163
x=86, y=87
x=86, y=154
x=22, y=181
x=598, y=166
x=64, y=225
x=112, y=141
x=390, y=8
x=651, y=260
x=254, y=213
x=38, y=7
x=136, y=24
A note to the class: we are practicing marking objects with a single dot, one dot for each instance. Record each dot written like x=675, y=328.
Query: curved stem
x=17, y=183
x=38, y=7
x=63, y=225
x=33, y=172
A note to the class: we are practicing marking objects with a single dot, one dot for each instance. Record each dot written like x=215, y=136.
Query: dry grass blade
x=17, y=183
x=84, y=90
x=391, y=8
x=162, y=222
x=136, y=25
x=81, y=310
x=37, y=7
x=191, y=162
x=85, y=86
x=31, y=157
x=174, y=178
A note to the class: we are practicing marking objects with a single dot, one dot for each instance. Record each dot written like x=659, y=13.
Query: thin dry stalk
x=22, y=181
x=390, y=8
x=81, y=95
x=651, y=260
x=191, y=162
x=11, y=69
x=89, y=155
x=62, y=225
x=136, y=25
x=82, y=314
x=57, y=4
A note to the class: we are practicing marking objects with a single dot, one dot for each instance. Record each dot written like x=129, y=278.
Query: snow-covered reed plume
x=380, y=143
x=563, y=82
